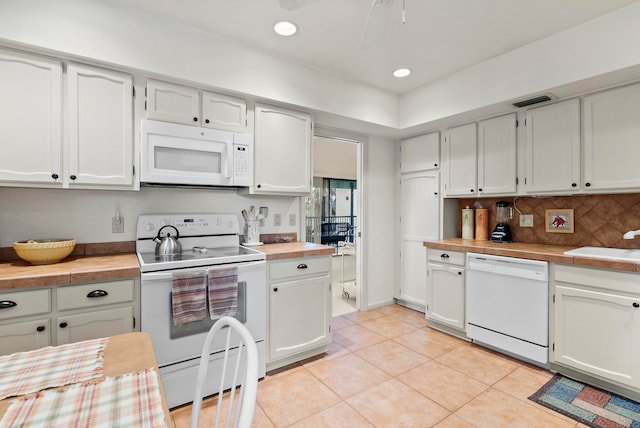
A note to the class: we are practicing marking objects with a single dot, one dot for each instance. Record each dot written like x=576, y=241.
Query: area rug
x=587, y=404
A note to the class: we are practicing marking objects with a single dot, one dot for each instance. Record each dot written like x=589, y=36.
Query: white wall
x=334, y=158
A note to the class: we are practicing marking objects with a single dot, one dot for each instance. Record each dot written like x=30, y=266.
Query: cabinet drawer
x=306, y=266
x=97, y=294
x=23, y=303
x=446, y=256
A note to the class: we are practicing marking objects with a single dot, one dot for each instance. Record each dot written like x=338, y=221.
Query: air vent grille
x=534, y=100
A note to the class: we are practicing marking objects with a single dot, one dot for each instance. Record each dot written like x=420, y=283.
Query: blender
x=504, y=214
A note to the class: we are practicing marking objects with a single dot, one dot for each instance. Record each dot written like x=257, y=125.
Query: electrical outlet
x=526, y=220
x=292, y=219
x=277, y=219
x=117, y=225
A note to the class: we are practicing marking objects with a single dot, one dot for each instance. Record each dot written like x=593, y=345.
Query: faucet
x=631, y=234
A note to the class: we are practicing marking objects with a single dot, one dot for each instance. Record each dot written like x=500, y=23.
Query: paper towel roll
x=467, y=223
x=482, y=224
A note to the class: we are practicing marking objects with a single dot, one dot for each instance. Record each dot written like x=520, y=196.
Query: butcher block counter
x=549, y=253
x=292, y=250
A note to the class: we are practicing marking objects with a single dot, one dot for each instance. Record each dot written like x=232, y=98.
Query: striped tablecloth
x=130, y=400
x=27, y=372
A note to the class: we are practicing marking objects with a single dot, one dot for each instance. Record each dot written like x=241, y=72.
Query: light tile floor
x=387, y=368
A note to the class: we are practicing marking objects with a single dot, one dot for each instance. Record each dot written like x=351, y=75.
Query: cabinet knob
x=97, y=293
x=195, y=119
x=459, y=273
x=479, y=190
x=6, y=304
x=587, y=184
x=73, y=177
x=636, y=305
x=63, y=324
x=55, y=176
x=435, y=193
x=574, y=185
x=259, y=186
x=275, y=289
x=471, y=190
x=435, y=164
x=302, y=266
x=40, y=328
x=206, y=121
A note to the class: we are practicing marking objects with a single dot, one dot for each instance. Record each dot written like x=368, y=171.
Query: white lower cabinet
x=446, y=289
x=76, y=313
x=597, y=323
x=299, y=309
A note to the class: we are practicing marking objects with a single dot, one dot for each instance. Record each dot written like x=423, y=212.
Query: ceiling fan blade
x=377, y=22
x=294, y=4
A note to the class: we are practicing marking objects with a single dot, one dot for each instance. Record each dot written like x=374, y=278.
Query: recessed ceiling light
x=402, y=72
x=285, y=28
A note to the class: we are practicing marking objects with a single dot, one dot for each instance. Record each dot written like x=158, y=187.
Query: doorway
x=333, y=214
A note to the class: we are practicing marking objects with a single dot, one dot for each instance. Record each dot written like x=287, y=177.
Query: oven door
x=177, y=344
x=181, y=154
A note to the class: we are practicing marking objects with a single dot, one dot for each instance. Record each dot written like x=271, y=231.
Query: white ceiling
x=439, y=37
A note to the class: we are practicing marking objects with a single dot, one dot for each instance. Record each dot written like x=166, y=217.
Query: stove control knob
x=149, y=227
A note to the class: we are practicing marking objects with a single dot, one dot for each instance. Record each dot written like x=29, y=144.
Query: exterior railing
x=330, y=230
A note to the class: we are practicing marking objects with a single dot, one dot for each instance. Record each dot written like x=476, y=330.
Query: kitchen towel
x=27, y=372
x=131, y=400
x=189, y=296
x=223, y=292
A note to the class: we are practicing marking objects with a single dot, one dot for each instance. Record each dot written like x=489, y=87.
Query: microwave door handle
x=227, y=158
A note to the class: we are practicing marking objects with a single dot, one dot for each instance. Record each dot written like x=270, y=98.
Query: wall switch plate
x=277, y=219
x=117, y=224
x=526, y=220
x=292, y=219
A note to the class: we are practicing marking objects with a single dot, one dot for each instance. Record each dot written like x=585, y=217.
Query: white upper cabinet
x=612, y=139
x=460, y=159
x=30, y=119
x=553, y=148
x=420, y=153
x=497, y=156
x=181, y=104
x=99, y=137
x=282, y=162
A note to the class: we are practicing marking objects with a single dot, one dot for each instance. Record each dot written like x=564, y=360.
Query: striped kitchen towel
x=189, y=296
x=223, y=292
x=131, y=400
x=25, y=372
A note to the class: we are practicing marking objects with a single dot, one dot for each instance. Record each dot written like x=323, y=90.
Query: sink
x=606, y=253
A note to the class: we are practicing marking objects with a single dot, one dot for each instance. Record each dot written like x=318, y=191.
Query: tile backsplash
x=599, y=220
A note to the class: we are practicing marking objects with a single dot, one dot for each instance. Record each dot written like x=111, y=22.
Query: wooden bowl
x=44, y=251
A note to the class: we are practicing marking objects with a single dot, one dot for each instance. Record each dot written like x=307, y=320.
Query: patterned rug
x=587, y=404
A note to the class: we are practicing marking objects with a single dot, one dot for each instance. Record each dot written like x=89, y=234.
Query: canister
x=467, y=223
x=482, y=223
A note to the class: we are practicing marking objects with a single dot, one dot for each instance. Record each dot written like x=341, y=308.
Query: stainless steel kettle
x=167, y=245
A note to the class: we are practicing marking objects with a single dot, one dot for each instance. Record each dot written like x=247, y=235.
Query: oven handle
x=242, y=267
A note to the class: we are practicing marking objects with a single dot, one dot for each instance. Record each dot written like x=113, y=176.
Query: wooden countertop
x=291, y=250
x=549, y=253
x=72, y=270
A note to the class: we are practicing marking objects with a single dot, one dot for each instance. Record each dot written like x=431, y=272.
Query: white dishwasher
x=507, y=305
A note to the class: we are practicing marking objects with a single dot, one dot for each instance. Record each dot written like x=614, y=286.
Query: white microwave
x=174, y=154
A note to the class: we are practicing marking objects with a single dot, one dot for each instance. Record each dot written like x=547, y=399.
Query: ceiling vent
x=535, y=100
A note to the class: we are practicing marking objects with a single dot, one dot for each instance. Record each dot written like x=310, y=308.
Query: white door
x=553, y=148
x=460, y=160
x=420, y=153
x=497, y=156
x=446, y=302
x=172, y=103
x=30, y=119
x=612, y=139
x=224, y=112
x=24, y=336
x=93, y=325
x=99, y=140
x=419, y=220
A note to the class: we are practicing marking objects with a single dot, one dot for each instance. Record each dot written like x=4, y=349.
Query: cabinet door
x=419, y=221
x=100, y=135
x=420, y=153
x=93, y=325
x=612, y=139
x=224, y=112
x=446, y=295
x=597, y=332
x=282, y=151
x=30, y=119
x=459, y=153
x=497, y=156
x=553, y=148
x=24, y=336
x=173, y=103
x=299, y=316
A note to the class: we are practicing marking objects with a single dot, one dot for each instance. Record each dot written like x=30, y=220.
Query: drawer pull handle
x=97, y=293
x=636, y=305
x=63, y=324
x=6, y=304
x=40, y=328
x=302, y=266
x=444, y=256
